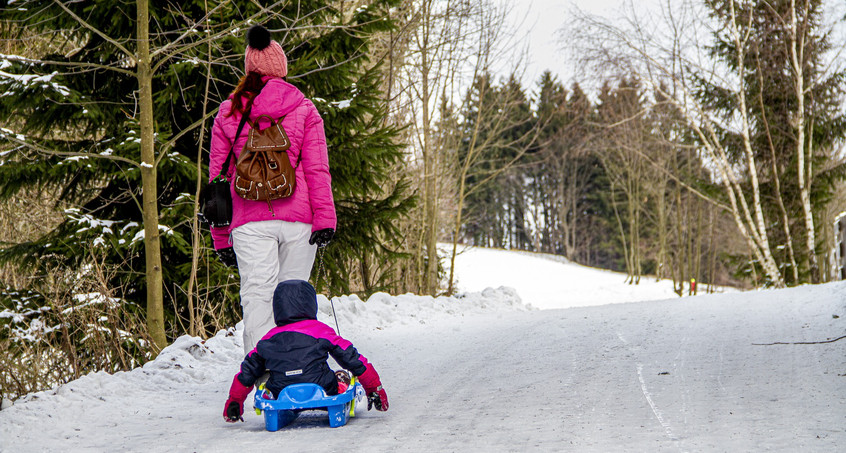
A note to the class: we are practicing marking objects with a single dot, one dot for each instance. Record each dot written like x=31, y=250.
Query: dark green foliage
x=769, y=82
x=90, y=109
x=368, y=198
x=555, y=198
x=495, y=133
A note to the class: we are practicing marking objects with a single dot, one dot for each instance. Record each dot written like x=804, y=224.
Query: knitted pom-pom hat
x=264, y=55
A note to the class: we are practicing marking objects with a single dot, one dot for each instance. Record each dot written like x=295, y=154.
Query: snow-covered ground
x=549, y=281
x=487, y=373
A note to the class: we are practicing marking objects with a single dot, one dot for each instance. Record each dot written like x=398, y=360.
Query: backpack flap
x=272, y=138
x=264, y=170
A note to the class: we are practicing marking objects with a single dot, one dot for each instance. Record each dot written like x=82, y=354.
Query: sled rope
x=320, y=252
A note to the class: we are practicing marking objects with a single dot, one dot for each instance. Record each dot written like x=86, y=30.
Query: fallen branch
x=801, y=342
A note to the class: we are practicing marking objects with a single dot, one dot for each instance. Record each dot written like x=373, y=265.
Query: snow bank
x=383, y=310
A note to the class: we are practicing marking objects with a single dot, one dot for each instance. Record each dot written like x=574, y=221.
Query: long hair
x=248, y=88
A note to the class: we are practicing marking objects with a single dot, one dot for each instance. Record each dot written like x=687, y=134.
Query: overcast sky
x=540, y=21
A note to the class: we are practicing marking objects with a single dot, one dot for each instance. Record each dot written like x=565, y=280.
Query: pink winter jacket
x=312, y=201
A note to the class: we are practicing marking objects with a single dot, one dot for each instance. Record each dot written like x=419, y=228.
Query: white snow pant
x=268, y=252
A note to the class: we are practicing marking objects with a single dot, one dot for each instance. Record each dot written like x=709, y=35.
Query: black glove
x=227, y=256
x=234, y=412
x=378, y=399
x=322, y=237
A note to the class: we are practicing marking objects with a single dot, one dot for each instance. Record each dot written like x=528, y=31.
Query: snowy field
x=488, y=373
x=549, y=281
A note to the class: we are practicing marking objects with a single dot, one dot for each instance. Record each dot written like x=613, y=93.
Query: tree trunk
x=777, y=183
x=796, y=55
x=150, y=209
x=759, y=225
x=680, y=241
x=364, y=268
x=195, y=321
x=455, y=232
x=429, y=164
x=660, y=269
x=697, y=254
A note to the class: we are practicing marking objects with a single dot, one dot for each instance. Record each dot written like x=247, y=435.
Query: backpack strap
x=222, y=176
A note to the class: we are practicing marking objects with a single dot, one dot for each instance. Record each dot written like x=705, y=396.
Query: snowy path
x=675, y=375
x=591, y=379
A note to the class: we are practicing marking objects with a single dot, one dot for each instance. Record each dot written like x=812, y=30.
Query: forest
x=711, y=151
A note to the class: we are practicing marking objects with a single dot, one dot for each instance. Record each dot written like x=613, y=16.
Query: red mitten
x=378, y=398
x=234, y=408
x=376, y=395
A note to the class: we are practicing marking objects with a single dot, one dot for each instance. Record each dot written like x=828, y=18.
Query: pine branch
x=191, y=30
x=72, y=64
x=8, y=135
x=168, y=144
x=96, y=31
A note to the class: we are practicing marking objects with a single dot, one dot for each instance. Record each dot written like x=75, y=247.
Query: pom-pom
x=258, y=37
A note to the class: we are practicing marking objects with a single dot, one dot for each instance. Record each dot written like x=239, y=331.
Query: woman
x=271, y=243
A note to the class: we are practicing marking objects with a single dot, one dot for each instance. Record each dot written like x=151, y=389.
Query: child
x=295, y=351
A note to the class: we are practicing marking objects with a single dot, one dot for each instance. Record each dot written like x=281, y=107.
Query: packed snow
x=503, y=369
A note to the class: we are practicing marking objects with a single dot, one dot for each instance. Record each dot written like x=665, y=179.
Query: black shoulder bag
x=216, y=198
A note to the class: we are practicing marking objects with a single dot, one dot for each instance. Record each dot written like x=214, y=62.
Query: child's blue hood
x=294, y=300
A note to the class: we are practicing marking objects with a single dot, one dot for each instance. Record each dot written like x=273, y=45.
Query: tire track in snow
x=668, y=430
x=655, y=410
x=465, y=385
x=452, y=382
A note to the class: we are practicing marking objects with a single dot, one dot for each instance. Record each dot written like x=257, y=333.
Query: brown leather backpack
x=264, y=172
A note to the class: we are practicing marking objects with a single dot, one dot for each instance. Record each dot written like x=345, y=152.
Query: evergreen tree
x=516, y=141
x=72, y=123
x=572, y=183
x=544, y=168
x=482, y=210
x=499, y=130
x=369, y=199
x=780, y=145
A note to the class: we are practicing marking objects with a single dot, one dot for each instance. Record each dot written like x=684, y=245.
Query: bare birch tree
x=448, y=44
x=669, y=64
x=756, y=82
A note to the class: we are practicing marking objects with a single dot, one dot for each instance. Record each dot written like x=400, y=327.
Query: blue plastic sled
x=296, y=398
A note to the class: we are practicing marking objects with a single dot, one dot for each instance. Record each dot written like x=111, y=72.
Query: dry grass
x=67, y=325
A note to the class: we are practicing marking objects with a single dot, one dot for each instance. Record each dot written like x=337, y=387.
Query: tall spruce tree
x=498, y=130
x=569, y=178
x=543, y=168
x=795, y=116
x=73, y=124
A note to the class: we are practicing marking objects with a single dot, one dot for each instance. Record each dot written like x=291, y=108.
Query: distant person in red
x=295, y=352
x=692, y=286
